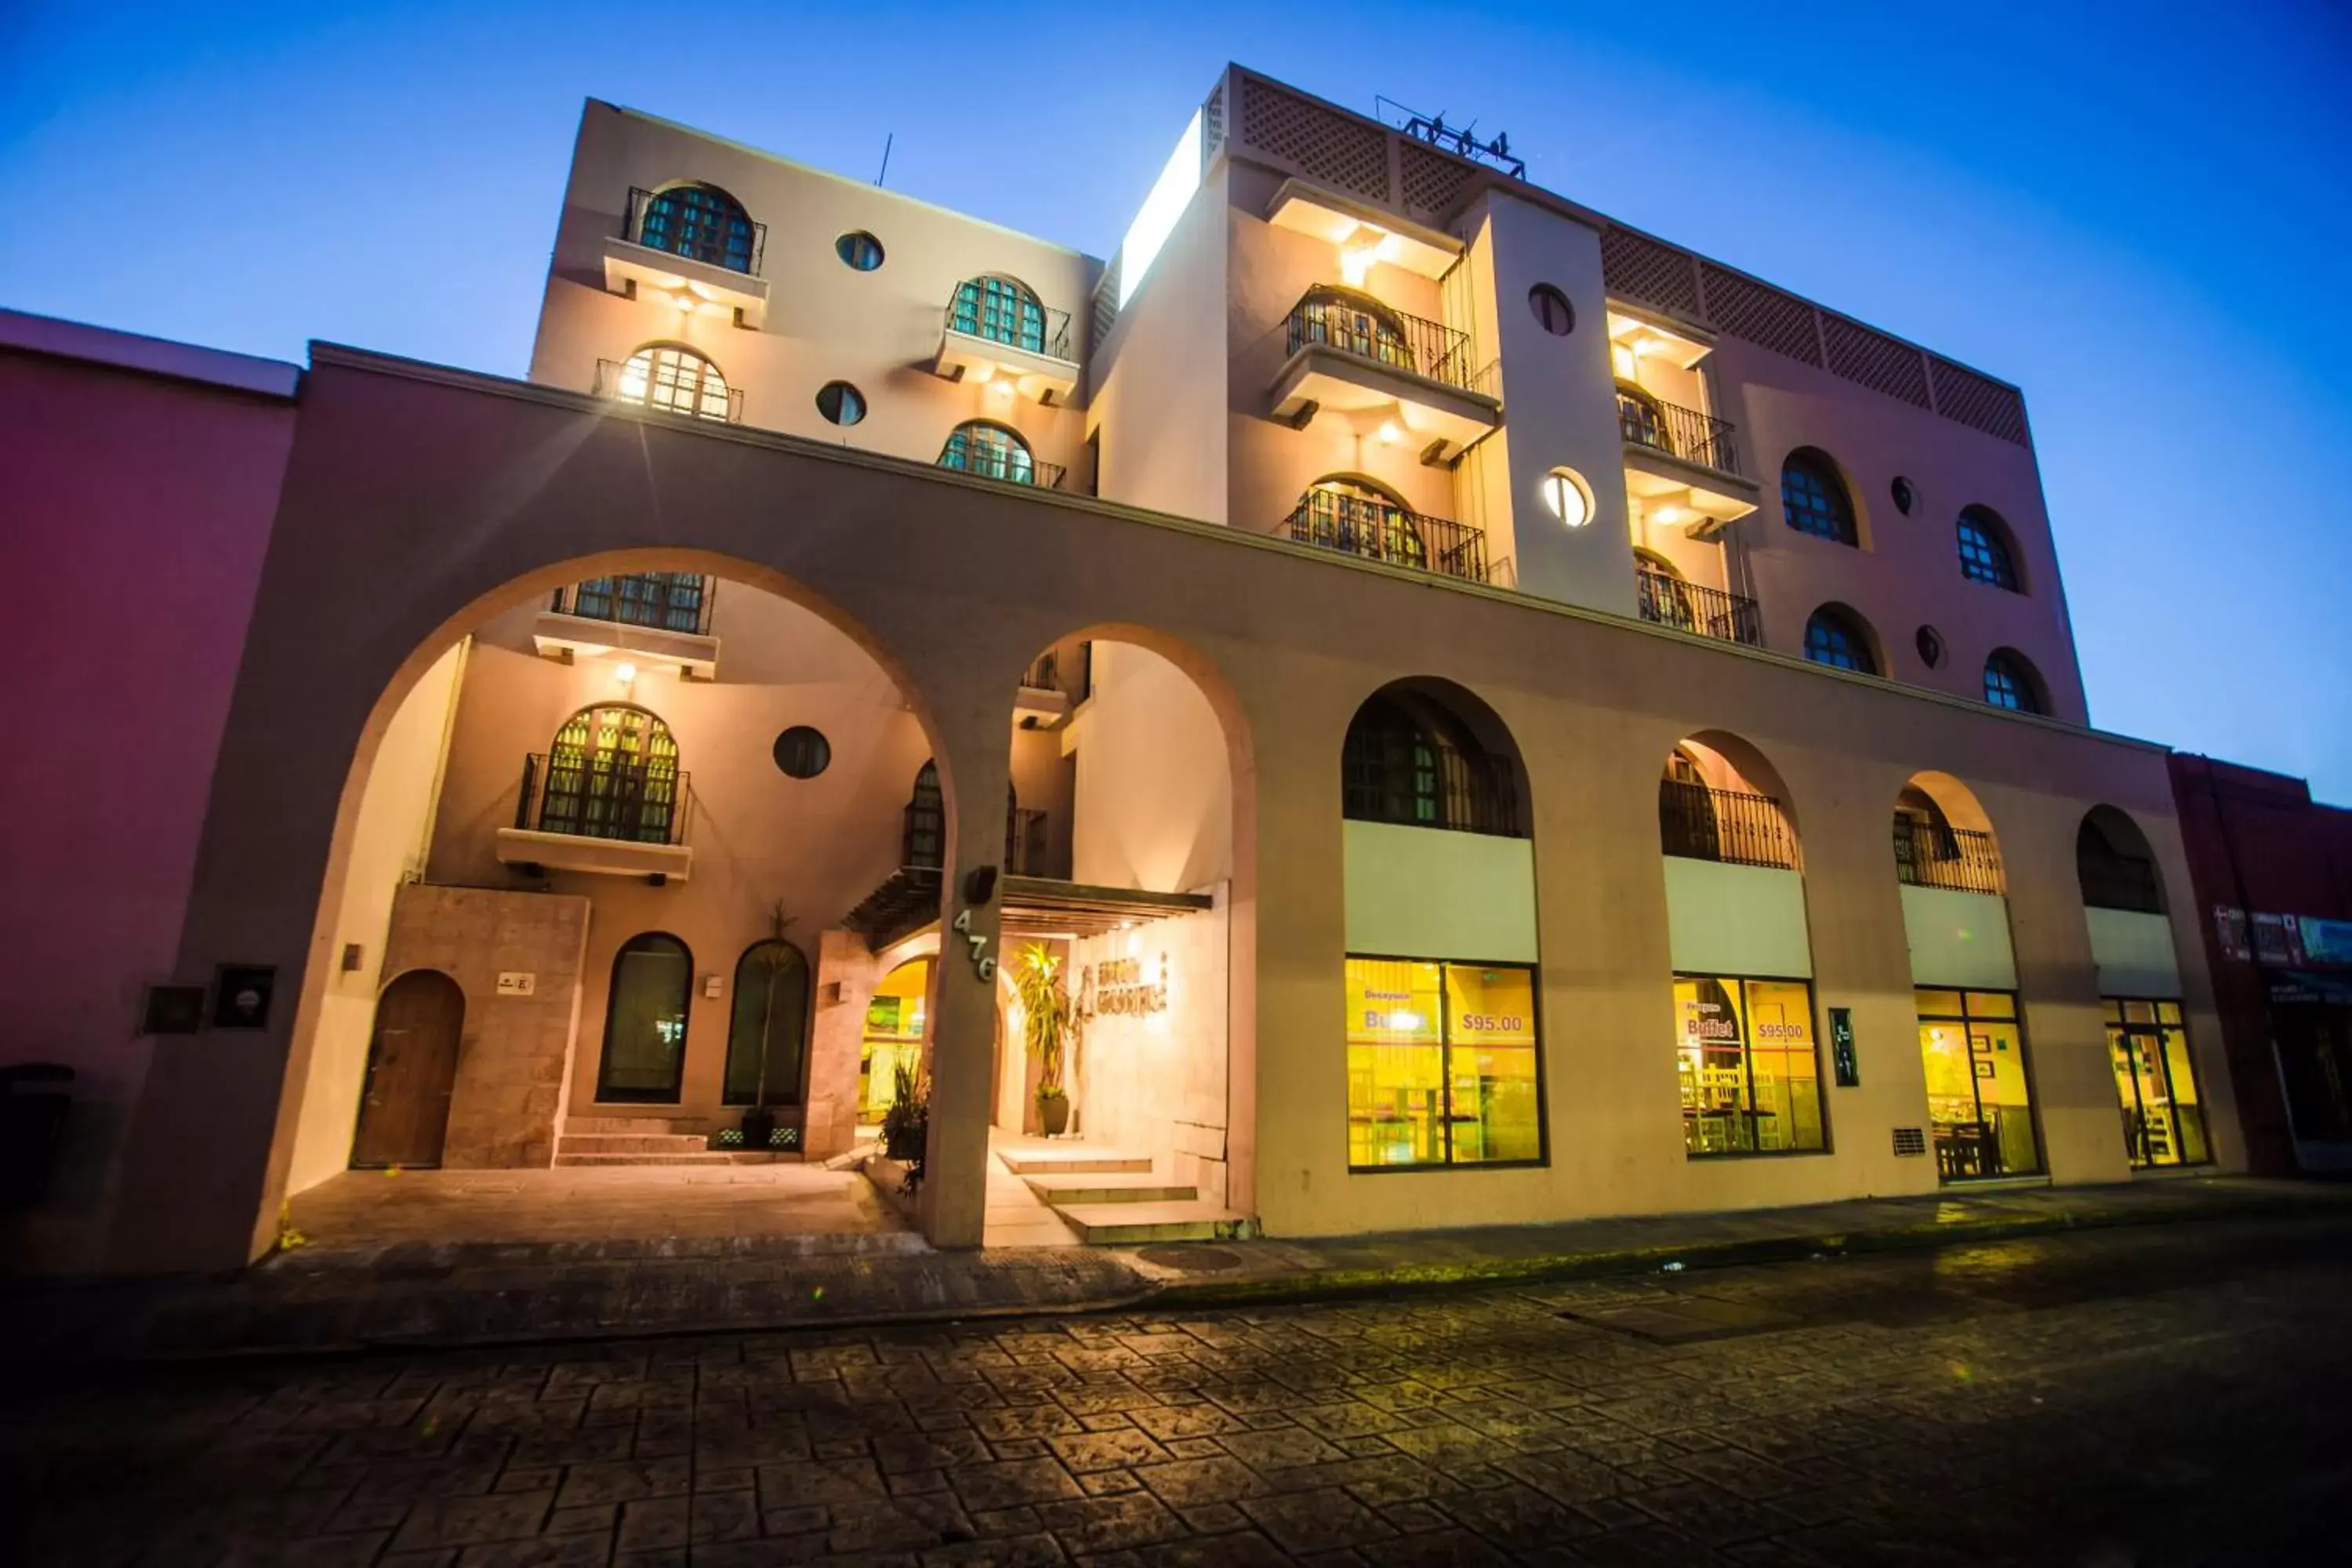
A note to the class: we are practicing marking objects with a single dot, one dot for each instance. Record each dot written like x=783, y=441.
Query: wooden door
x=411, y=1068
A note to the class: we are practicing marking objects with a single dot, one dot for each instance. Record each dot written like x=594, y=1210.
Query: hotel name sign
x=1121, y=985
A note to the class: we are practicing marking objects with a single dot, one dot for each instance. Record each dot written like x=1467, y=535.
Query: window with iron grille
x=1001, y=311
x=1835, y=637
x=1984, y=555
x=1415, y=766
x=1355, y=323
x=674, y=378
x=991, y=451
x=700, y=223
x=1813, y=497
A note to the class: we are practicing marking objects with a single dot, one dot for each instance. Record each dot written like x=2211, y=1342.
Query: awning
x=2302, y=987
x=1035, y=906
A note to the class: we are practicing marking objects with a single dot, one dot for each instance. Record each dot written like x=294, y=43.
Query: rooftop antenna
x=886, y=157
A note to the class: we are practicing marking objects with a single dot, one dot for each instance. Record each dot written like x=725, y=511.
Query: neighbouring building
x=1491, y=716
x=2272, y=872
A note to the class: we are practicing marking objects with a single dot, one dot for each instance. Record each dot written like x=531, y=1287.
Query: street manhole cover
x=1190, y=1259
x=1684, y=1319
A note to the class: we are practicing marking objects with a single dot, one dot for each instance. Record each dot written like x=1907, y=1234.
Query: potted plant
x=1046, y=1026
x=907, y=1125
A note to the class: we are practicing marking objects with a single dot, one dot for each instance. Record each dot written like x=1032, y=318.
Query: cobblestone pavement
x=2161, y=1394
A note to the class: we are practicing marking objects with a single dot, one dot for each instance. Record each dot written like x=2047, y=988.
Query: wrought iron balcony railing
x=1380, y=531
x=1701, y=823
x=664, y=601
x=662, y=386
x=1684, y=433
x=1024, y=325
x=737, y=251
x=2120, y=882
x=1927, y=854
x=1689, y=608
x=1386, y=337
x=594, y=796
x=1012, y=468
x=1043, y=673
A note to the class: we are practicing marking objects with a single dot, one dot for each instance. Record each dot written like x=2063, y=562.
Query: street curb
x=1356, y=1284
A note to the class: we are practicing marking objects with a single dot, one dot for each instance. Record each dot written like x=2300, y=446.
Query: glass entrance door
x=2156, y=1083
x=1980, y=1095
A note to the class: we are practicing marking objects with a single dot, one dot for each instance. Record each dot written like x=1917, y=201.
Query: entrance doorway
x=2163, y=1123
x=893, y=1039
x=1979, y=1096
x=412, y=1068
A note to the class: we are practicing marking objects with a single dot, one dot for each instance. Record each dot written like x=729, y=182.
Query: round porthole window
x=1930, y=643
x=859, y=249
x=1570, y=499
x=1906, y=498
x=1553, y=312
x=841, y=403
x=803, y=753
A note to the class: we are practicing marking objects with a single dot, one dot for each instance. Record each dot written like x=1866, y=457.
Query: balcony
x=672, y=383
x=1376, y=531
x=1353, y=355
x=694, y=285
x=1682, y=467
x=588, y=814
x=1010, y=467
x=999, y=335
x=656, y=618
x=1704, y=612
x=1041, y=702
x=1959, y=859
x=1726, y=826
x=2111, y=880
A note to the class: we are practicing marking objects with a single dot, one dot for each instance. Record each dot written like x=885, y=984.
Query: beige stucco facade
x=409, y=646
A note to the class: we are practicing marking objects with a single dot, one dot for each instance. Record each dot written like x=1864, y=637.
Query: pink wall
x=134, y=510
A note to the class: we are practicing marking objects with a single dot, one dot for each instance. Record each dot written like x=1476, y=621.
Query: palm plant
x=1046, y=1027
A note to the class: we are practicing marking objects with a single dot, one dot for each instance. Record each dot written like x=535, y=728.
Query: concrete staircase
x=647, y=1140
x=1111, y=1199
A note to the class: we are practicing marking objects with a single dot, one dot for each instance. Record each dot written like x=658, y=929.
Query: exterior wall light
x=1389, y=434
x=1565, y=492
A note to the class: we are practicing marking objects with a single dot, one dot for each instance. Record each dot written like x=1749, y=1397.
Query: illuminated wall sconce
x=1569, y=496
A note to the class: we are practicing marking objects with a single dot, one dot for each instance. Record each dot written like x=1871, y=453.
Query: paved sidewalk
x=328, y=1299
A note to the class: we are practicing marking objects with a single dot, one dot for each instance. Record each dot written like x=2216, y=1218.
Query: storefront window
x=1440, y=1063
x=2164, y=1124
x=1750, y=1075
x=1979, y=1097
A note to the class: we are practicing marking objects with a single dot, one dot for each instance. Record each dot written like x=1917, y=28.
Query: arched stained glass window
x=1001, y=311
x=673, y=377
x=701, y=223
x=612, y=773
x=1354, y=323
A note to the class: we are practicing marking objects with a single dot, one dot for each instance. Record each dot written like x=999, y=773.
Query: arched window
x=1813, y=497
x=769, y=1026
x=2114, y=865
x=1342, y=512
x=668, y=601
x=924, y=846
x=1664, y=593
x=1001, y=311
x=673, y=377
x=645, y=1021
x=991, y=451
x=701, y=223
x=2009, y=682
x=1835, y=636
x=1408, y=760
x=612, y=773
x=1353, y=323
x=1985, y=555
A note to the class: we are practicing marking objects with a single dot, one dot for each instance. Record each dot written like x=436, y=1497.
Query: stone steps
x=1064, y=1188
x=700, y=1157
x=594, y=1126
x=1053, y=1163
x=633, y=1142
x=1134, y=1223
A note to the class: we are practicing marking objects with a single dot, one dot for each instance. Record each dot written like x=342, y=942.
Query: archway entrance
x=616, y=830
x=411, y=1068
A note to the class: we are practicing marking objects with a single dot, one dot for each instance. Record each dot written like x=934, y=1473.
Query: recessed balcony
x=1350, y=354
x=703, y=272
x=1732, y=828
x=1376, y=529
x=1040, y=703
x=590, y=812
x=660, y=619
x=1669, y=601
x=671, y=381
x=1682, y=467
x=1931, y=854
x=995, y=332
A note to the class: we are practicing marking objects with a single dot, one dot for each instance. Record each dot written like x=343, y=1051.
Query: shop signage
x=1121, y=985
x=2230, y=930
x=517, y=982
x=2278, y=939
x=1841, y=1057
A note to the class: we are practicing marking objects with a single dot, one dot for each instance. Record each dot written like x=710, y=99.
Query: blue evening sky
x=2141, y=214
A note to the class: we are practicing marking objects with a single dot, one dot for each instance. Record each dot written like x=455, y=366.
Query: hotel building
x=1490, y=716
